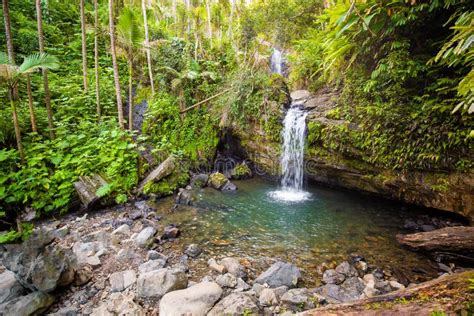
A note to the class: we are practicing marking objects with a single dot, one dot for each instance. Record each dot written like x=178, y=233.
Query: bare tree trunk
x=115, y=65
x=147, y=47
x=188, y=22
x=130, y=92
x=9, y=38
x=96, y=59
x=84, y=45
x=30, y=104
x=47, y=95
x=173, y=10
x=16, y=125
x=209, y=21
x=231, y=19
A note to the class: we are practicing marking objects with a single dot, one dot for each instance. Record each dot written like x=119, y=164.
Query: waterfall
x=276, y=62
x=292, y=158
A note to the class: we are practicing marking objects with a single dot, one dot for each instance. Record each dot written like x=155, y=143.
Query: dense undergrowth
x=403, y=71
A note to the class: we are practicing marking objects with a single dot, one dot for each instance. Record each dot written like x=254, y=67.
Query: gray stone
x=118, y=304
x=299, y=95
x=241, y=286
x=226, y=280
x=229, y=186
x=193, y=250
x=199, y=180
x=383, y=286
x=396, y=286
x=32, y=304
x=151, y=265
x=66, y=311
x=121, y=280
x=280, y=273
x=350, y=290
x=62, y=232
x=361, y=266
x=84, y=250
x=353, y=287
x=93, y=261
x=258, y=288
x=297, y=298
x=235, y=304
x=153, y=255
x=268, y=298
x=346, y=269
x=123, y=230
x=185, y=196
x=331, y=276
x=234, y=267
x=155, y=284
x=196, y=300
x=145, y=237
x=10, y=288
x=40, y=264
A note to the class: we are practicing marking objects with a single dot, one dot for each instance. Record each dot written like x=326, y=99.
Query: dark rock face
x=38, y=264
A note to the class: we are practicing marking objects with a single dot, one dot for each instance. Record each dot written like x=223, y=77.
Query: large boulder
x=199, y=180
x=297, y=298
x=331, y=276
x=280, y=273
x=300, y=96
x=145, y=237
x=10, y=288
x=39, y=264
x=241, y=171
x=196, y=300
x=155, y=284
x=151, y=265
x=32, y=304
x=235, y=304
x=217, y=180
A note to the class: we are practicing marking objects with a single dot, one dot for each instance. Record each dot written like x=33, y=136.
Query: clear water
x=292, y=159
x=325, y=229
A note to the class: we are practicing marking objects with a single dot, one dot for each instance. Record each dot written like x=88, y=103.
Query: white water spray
x=292, y=159
x=276, y=62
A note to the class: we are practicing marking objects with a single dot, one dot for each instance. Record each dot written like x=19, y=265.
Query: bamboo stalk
x=204, y=101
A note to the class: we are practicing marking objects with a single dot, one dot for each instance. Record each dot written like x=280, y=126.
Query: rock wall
x=447, y=191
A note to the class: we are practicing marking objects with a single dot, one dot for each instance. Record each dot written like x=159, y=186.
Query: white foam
x=290, y=195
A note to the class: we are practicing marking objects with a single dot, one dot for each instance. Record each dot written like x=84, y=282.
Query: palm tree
x=114, y=62
x=30, y=104
x=147, y=47
x=8, y=35
x=47, y=95
x=130, y=39
x=84, y=44
x=209, y=21
x=12, y=74
x=96, y=58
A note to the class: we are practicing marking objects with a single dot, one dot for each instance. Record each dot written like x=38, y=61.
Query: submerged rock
x=195, y=300
x=280, y=273
x=235, y=304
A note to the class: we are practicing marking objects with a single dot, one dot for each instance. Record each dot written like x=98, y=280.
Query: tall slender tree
x=114, y=63
x=209, y=21
x=9, y=37
x=147, y=47
x=30, y=104
x=84, y=45
x=47, y=94
x=96, y=59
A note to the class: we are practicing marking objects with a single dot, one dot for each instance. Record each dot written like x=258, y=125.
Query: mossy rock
x=241, y=171
x=217, y=180
x=167, y=185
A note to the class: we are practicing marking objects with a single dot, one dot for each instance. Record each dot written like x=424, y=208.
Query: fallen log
x=448, y=293
x=87, y=187
x=204, y=101
x=458, y=239
x=163, y=170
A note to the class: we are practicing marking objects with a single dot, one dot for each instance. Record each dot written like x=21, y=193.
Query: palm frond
x=36, y=61
x=4, y=59
x=129, y=28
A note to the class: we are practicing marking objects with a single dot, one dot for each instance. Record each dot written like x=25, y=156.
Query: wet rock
x=157, y=283
x=268, y=297
x=123, y=230
x=346, y=269
x=229, y=186
x=171, y=232
x=234, y=267
x=39, y=264
x=216, y=267
x=195, y=300
x=32, y=304
x=193, y=250
x=145, y=237
x=280, y=273
x=151, y=265
x=121, y=280
x=226, y=280
x=235, y=304
x=199, y=180
x=153, y=255
x=185, y=196
x=10, y=288
x=217, y=180
x=296, y=298
x=331, y=276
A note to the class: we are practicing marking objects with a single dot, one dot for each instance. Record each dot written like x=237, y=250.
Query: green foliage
x=13, y=235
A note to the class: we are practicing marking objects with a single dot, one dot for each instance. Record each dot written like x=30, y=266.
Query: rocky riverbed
x=124, y=261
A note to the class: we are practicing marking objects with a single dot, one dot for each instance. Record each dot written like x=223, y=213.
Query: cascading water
x=292, y=159
x=276, y=62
